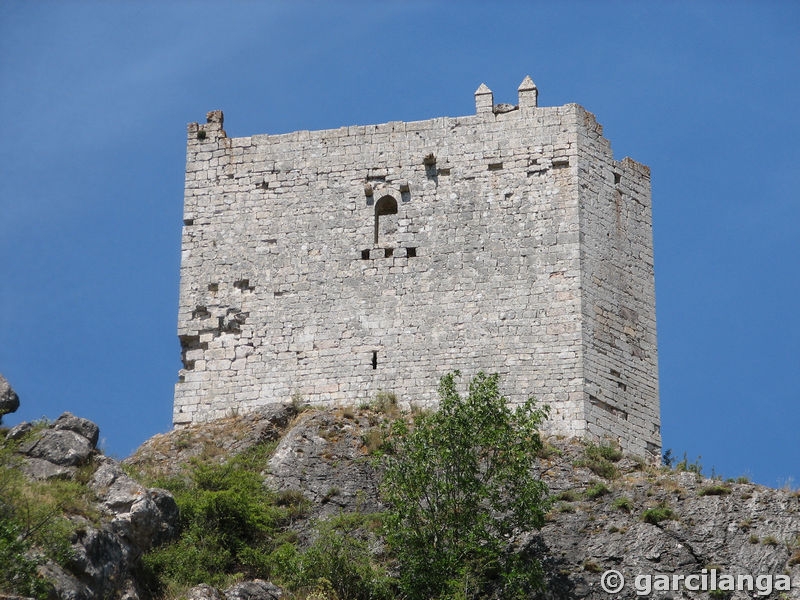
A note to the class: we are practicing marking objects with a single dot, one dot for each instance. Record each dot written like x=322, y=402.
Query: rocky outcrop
x=633, y=518
x=629, y=517
x=133, y=518
x=9, y=401
x=325, y=457
x=652, y=521
x=245, y=590
x=144, y=516
x=253, y=590
x=167, y=453
x=83, y=427
x=56, y=450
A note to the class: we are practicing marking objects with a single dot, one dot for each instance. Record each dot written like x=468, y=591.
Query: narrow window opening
x=188, y=222
x=365, y=255
x=617, y=178
x=374, y=359
x=561, y=163
x=385, y=207
x=496, y=166
x=388, y=252
x=411, y=252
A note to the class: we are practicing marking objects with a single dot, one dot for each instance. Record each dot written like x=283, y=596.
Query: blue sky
x=95, y=97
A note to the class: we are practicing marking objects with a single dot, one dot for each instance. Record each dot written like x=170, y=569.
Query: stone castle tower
x=338, y=263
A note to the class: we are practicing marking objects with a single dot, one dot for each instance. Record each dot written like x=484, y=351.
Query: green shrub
x=232, y=527
x=457, y=485
x=622, y=503
x=33, y=523
x=230, y=523
x=600, y=460
x=660, y=513
x=386, y=403
x=19, y=572
x=597, y=490
x=373, y=440
x=344, y=561
x=592, y=567
x=714, y=490
x=548, y=451
x=603, y=452
x=685, y=465
x=566, y=496
x=600, y=467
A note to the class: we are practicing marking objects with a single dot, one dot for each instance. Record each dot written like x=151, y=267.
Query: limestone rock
x=257, y=589
x=167, y=453
x=323, y=456
x=105, y=553
x=102, y=560
x=144, y=516
x=18, y=431
x=60, y=447
x=38, y=468
x=83, y=427
x=203, y=592
x=9, y=401
x=65, y=585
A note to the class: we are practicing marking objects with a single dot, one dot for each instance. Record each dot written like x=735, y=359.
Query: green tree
x=459, y=484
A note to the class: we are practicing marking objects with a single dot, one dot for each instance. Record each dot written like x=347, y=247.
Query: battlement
x=337, y=263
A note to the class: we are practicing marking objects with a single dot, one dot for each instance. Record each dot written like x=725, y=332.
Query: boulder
x=323, y=455
x=83, y=427
x=58, y=446
x=9, y=401
x=102, y=560
x=203, y=592
x=37, y=468
x=64, y=584
x=146, y=517
x=18, y=431
x=257, y=589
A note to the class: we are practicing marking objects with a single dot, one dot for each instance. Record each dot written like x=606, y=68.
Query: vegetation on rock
x=34, y=527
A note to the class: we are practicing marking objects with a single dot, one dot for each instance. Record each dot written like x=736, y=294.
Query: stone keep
x=335, y=264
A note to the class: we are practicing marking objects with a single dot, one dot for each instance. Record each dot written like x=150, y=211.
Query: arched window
x=385, y=223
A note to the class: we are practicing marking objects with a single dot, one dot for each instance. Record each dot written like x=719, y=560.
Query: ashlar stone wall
x=335, y=264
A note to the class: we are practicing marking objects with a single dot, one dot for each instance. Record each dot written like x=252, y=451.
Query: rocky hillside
x=609, y=511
